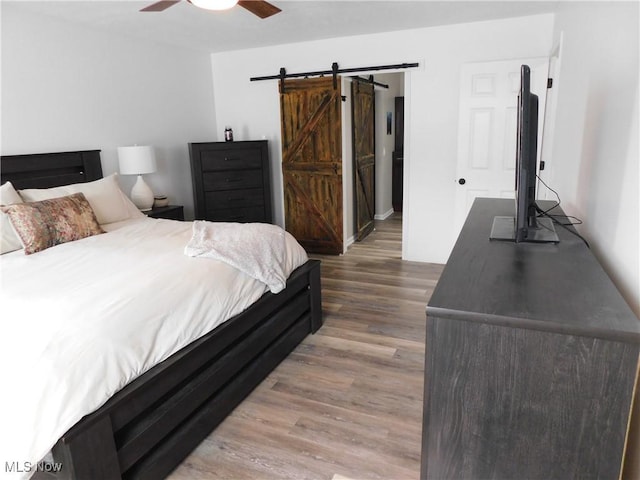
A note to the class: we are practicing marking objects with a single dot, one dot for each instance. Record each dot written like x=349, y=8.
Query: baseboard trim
x=348, y=242
x=383, y=216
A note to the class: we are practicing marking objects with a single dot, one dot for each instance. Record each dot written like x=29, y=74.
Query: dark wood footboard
x=150, y=426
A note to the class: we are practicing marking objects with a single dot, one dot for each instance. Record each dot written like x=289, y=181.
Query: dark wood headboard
x=45, y=170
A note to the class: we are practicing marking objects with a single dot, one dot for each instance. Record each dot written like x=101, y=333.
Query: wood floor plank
x=347, y=402
x=360, y=336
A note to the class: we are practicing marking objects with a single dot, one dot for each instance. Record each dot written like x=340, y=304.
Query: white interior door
x=487, y=128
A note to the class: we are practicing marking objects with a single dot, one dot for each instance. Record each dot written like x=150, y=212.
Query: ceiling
x=187, y=26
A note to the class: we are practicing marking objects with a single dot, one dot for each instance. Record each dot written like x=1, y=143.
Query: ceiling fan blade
x=160, y=6
x=259, y=7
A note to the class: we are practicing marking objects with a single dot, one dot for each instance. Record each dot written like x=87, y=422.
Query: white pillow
x=105, y=197
x=134, y=212
x=9, y=241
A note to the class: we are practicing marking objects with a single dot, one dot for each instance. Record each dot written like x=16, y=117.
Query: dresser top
x=553, y=287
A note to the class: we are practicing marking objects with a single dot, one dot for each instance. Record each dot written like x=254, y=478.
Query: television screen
x=525, y=226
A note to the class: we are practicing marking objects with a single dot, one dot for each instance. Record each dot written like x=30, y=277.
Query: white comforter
x=83, y=319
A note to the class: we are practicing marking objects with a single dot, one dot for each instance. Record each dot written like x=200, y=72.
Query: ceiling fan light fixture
x=214, y=4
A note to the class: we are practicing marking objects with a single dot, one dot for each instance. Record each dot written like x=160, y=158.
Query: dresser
x=231, y=181
x=531, y=360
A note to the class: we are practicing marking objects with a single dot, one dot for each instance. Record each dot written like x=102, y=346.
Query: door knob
x=462, y=181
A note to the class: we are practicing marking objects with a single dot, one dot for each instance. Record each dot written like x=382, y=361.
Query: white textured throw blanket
x=263, y=251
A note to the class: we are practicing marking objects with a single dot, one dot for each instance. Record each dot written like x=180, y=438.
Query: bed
x=148, y=426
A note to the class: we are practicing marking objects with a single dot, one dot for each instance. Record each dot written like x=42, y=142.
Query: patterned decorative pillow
x=46, y=223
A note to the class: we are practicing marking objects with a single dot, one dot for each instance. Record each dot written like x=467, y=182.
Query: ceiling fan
x=258, y=7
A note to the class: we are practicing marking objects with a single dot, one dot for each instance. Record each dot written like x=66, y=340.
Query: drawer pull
x=229, y=159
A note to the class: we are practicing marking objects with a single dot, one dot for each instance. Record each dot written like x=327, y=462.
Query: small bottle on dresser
x=228, y=134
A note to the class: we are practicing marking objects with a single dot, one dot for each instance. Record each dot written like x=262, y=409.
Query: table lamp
x=138, y=160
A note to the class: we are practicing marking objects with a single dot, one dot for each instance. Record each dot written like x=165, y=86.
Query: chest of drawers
x=531, y=360
x=231, y=181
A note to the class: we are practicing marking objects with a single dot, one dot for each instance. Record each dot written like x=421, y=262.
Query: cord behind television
x=554, y=218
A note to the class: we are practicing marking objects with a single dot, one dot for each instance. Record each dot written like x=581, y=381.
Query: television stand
x=504, y=229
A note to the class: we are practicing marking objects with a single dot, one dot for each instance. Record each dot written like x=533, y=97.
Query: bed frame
x=146, y=430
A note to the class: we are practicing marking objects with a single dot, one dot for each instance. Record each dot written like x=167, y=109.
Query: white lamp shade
x=136, y=160
x=214, y=4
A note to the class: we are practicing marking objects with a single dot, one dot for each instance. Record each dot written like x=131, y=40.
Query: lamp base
x=141, y=195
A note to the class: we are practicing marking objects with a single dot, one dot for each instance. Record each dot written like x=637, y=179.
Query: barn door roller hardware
x=334, y=72
x=372, y=81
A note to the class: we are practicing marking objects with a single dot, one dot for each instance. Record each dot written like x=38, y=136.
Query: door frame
x=406, y=166
x=348, y=220
x=548, y=128
x=347, y=168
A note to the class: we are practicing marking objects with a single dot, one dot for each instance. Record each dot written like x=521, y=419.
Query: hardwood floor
x=347, y=403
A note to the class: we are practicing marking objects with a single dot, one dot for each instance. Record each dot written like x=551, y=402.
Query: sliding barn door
x=310, y=113
x=364, y=156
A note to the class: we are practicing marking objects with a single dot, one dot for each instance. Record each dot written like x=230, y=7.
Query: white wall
x=66, y=87
x=595, y=148
x=595, y=151
x=252, y=108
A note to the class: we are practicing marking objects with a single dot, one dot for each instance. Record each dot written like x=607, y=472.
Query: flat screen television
x=526, y=225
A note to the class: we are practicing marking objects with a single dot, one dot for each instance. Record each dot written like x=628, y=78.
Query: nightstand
x=171, y=212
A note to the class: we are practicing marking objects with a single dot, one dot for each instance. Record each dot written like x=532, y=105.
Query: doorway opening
x=389, y=127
